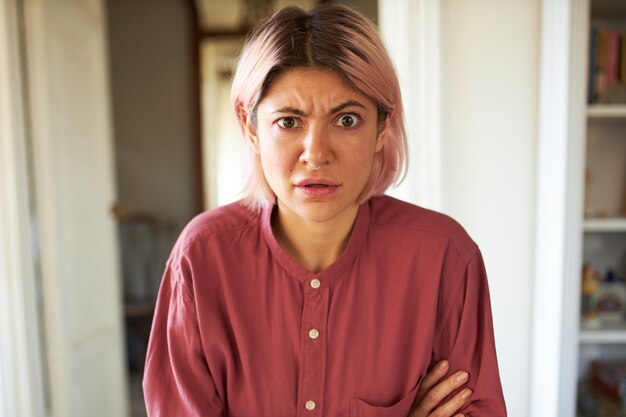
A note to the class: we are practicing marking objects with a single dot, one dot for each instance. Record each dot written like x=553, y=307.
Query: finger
x=436, y=394
x=433, y=376
x=452, y=406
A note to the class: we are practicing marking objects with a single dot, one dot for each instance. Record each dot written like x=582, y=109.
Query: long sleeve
x=465, y=337
x=177, y=381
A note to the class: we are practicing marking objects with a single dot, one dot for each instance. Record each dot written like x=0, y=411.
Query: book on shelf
x=622, y=60
x=607, y=66
x=612, y=58
x=593, y=45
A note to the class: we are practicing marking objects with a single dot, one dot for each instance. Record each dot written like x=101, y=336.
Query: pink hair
x=329, y=36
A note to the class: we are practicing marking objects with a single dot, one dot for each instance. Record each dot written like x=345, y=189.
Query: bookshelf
x=616, y=225
x=604, y=220
x=608, y=334
x=604, y=111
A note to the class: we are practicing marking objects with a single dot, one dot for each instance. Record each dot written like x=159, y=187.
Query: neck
x=314, y=245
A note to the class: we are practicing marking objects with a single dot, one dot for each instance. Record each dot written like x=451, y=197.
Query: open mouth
x=323, y=188
x=317, y=186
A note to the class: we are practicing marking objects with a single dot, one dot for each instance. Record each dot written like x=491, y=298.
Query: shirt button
x=314, y=333
x=315, y=283
x=310, y=405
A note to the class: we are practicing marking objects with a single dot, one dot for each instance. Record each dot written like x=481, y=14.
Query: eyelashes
x=347, y=120
x=289, y=122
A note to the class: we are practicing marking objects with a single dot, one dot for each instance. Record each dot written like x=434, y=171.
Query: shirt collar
x=354, y=246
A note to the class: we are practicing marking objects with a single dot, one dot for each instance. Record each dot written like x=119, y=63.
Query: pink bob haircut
x=330, y=36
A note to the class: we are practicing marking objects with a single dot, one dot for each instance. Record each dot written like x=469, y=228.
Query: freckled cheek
x=279, y=160
x=359, y=158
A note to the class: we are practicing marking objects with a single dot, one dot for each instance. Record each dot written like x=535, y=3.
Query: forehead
x=311, y=86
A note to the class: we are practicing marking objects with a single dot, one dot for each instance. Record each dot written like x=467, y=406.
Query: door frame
x=22, y=380
x=559, y=208
x=76, y=343
x=411, y=31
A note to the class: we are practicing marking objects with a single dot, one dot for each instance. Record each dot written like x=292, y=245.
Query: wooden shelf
x=602, y=111
x=614, y=334
x=611, y=8
x=605, y=225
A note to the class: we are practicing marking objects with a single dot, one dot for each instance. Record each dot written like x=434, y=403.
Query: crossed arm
x=432, y=391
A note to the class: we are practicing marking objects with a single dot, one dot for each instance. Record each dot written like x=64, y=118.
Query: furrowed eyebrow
x=347, y=104
x=298, y=112
x=291, y=110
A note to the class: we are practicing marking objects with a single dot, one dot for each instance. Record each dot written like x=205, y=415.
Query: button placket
x=313, y=362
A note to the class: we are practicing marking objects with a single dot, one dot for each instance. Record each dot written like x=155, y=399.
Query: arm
x=465, y=337
x=177, y=381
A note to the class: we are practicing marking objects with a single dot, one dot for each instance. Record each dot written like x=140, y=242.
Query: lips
x=317, y=187
x=317, y=182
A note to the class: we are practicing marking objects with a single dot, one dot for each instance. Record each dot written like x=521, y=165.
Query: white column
x=411, y=32
x=74, y=185
x=559, y=208
x=21, y=382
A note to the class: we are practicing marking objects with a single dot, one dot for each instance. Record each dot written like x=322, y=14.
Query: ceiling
x=229, y=14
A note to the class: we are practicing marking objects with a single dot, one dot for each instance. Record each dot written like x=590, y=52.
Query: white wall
x=153, y=114
x=490, y=67
x=473, y=124
x=156, y=142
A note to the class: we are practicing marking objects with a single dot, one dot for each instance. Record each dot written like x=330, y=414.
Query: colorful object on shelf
x=609, y=376
x=607, y=72
x=609, y=301
x=592, y=402
x=590, y=284
x=603, y=299
x=603, y=392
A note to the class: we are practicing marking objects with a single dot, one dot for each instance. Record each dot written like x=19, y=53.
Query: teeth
x=317, y=185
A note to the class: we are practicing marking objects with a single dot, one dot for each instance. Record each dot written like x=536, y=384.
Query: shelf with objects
x=602, y=336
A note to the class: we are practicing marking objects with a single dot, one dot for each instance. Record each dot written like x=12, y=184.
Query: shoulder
x=220, y=222
x=400, y=217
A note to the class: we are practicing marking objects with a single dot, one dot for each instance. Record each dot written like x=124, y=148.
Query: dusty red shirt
x=242, y=330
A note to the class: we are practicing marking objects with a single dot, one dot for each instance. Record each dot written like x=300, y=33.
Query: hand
x=431, y=392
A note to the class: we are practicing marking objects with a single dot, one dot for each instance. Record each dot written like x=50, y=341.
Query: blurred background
x=116, y=129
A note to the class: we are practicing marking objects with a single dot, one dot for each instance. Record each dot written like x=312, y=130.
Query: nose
x=316, y=148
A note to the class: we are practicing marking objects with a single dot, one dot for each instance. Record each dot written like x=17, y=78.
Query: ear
x=383, y=126
x=247, y=127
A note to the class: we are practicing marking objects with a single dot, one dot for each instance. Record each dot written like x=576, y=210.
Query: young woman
x=316, y=295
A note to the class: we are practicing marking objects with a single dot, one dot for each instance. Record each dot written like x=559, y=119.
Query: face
x=316, y=138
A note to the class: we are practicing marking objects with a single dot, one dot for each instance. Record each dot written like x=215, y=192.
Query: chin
x=316, y=216
x=320, y=212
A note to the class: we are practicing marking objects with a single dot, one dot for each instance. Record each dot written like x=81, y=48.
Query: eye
x=288, y=122
x=348, y=120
